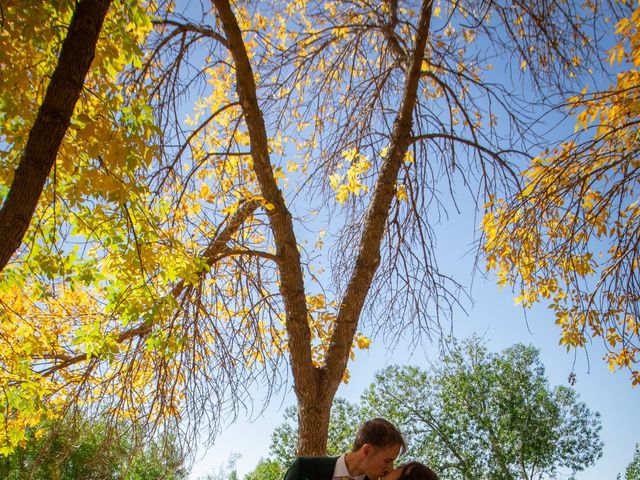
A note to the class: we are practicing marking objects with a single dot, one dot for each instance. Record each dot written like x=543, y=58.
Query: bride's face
x=393, y=474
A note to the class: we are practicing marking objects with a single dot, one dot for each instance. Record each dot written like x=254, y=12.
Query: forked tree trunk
x=316, y=387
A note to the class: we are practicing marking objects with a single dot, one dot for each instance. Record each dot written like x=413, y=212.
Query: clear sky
x=502, y=324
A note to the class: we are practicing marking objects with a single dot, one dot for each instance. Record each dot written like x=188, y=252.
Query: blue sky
x=495, y=317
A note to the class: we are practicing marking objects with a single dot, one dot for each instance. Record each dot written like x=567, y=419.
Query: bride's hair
x=417, y=471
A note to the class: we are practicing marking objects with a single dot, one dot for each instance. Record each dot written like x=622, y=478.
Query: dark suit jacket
x=312, y=468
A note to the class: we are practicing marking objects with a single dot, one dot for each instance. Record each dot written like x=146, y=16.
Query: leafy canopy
x=155, y=283
x=569, y=238
x=50, y=293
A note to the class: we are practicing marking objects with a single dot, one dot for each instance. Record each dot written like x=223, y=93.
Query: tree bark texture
x=313, y=424
x=51, y=124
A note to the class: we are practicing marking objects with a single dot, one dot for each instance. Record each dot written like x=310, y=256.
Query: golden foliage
x=569, y=239
x=150, y=263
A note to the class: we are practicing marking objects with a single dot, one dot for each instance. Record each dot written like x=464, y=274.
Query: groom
x=376, y=446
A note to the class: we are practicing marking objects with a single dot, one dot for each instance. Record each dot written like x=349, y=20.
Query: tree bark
x=313, y=424
x=375, y=220
x=290, y=265
x=51, y=124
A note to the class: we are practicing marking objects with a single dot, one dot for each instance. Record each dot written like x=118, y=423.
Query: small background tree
x=633, y=469
x=267, y=470
x=89, y=449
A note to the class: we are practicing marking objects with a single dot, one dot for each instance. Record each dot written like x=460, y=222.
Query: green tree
x=473, y=415
x=633, y=469
x=91, y=450
x=267, y=470
x=488, y=416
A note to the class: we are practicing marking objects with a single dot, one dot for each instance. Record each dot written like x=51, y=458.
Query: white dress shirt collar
x=341, y=469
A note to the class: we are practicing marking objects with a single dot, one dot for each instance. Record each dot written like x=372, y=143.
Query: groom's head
x=376, y=446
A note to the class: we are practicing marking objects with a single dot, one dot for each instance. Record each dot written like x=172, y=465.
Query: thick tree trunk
x=313, y=424
x=51, y=124
x=313, y=427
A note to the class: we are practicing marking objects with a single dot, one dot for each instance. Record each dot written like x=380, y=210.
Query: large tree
x=380, y=106
x=69, y=133
x=471, y=415
x=490, y=416
x=569, y=238
x=169, y=268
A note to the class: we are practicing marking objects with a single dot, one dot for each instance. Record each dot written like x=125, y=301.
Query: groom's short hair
x=380, y=433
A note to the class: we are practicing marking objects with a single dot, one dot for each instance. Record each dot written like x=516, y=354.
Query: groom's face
x=379, y=460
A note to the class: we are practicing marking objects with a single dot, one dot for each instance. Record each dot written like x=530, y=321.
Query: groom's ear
x=367, y=448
